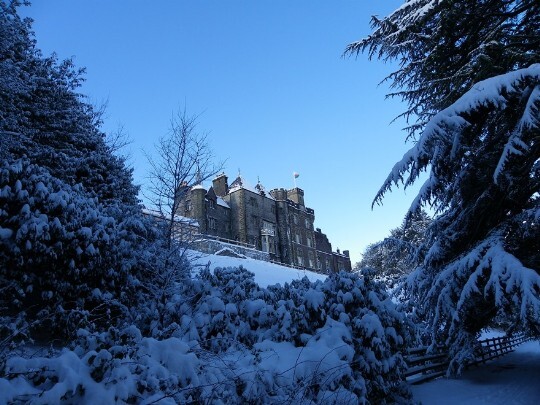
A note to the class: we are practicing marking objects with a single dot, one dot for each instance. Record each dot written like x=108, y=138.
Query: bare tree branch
x=184, y=159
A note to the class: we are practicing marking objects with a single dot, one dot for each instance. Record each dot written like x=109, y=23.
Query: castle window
x=253, y=201
x=308, y=223
x=297, y=237
x=188, y=205
x=212, y=223
x=309, y=242
x=211, y=204
x=311, y=260
x=300, y=260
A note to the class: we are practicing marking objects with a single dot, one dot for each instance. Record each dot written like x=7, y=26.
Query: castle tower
x=296, y=195
x=279, y=194
x=198, y=206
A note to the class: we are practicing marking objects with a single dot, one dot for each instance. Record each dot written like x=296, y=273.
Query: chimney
x=220, y=185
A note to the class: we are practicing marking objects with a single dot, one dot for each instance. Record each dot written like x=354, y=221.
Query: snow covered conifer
x=399, y=253
x=469, y=71
x=43, y=117
x=70, y=223
x=63, y=260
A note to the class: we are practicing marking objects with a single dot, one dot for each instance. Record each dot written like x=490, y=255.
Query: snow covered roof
x=222, y=202
x=177, y=218
x=241, y=183
x=198, y=187
x=189, y=221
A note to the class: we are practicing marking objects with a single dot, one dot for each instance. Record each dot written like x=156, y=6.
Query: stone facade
x=277, y=222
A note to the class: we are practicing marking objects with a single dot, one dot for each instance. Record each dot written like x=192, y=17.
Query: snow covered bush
x=71, y=231
x=347, y=313
x=162, y=271
x=63, y=261
x=117, y=366
x=236, y=343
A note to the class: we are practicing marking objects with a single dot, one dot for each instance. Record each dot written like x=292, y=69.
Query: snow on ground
x=266, y=273
x=491, y=333
x=511, y=379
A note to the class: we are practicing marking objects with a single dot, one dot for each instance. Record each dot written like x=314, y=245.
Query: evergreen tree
x=399, y=253
x=43, y=117
x=470, y=74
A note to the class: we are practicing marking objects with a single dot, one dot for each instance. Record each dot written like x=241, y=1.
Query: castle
x=276, y=222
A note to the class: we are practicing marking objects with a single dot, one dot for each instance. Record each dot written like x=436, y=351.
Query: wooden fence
x=489, y=349
x=424, y=366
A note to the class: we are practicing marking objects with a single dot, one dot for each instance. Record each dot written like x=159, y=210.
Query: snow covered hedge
x=336, y=341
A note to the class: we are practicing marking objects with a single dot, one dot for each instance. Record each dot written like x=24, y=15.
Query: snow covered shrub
x=163, y=271
x=117, y=366
x=61, y=256
x=222, y=309
x=380, y=332
x=341, y=338
x=235, y=343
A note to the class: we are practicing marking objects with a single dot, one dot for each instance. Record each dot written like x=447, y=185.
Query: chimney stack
x=220, y=185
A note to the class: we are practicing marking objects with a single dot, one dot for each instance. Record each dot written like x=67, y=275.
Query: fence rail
x=424, y=366
x=489, y=349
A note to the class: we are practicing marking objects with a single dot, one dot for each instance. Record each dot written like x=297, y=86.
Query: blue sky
x=269, y=83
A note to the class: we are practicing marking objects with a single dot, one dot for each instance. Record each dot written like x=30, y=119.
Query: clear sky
x=270, y=83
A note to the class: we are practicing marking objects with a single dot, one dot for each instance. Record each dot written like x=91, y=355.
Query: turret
x=198, y=206
x=279, y=194
x=296, y=195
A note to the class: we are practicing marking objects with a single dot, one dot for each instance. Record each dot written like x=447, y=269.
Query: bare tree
x=184, y=159
x=117, y=140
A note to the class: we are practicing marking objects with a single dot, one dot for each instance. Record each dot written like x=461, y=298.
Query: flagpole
x=294, y=179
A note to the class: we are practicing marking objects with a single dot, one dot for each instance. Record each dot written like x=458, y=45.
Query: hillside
x=266, y=273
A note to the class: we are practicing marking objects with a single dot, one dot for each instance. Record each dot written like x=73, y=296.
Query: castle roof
x=241, y=183
x=177, y=218
x=222, y=202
